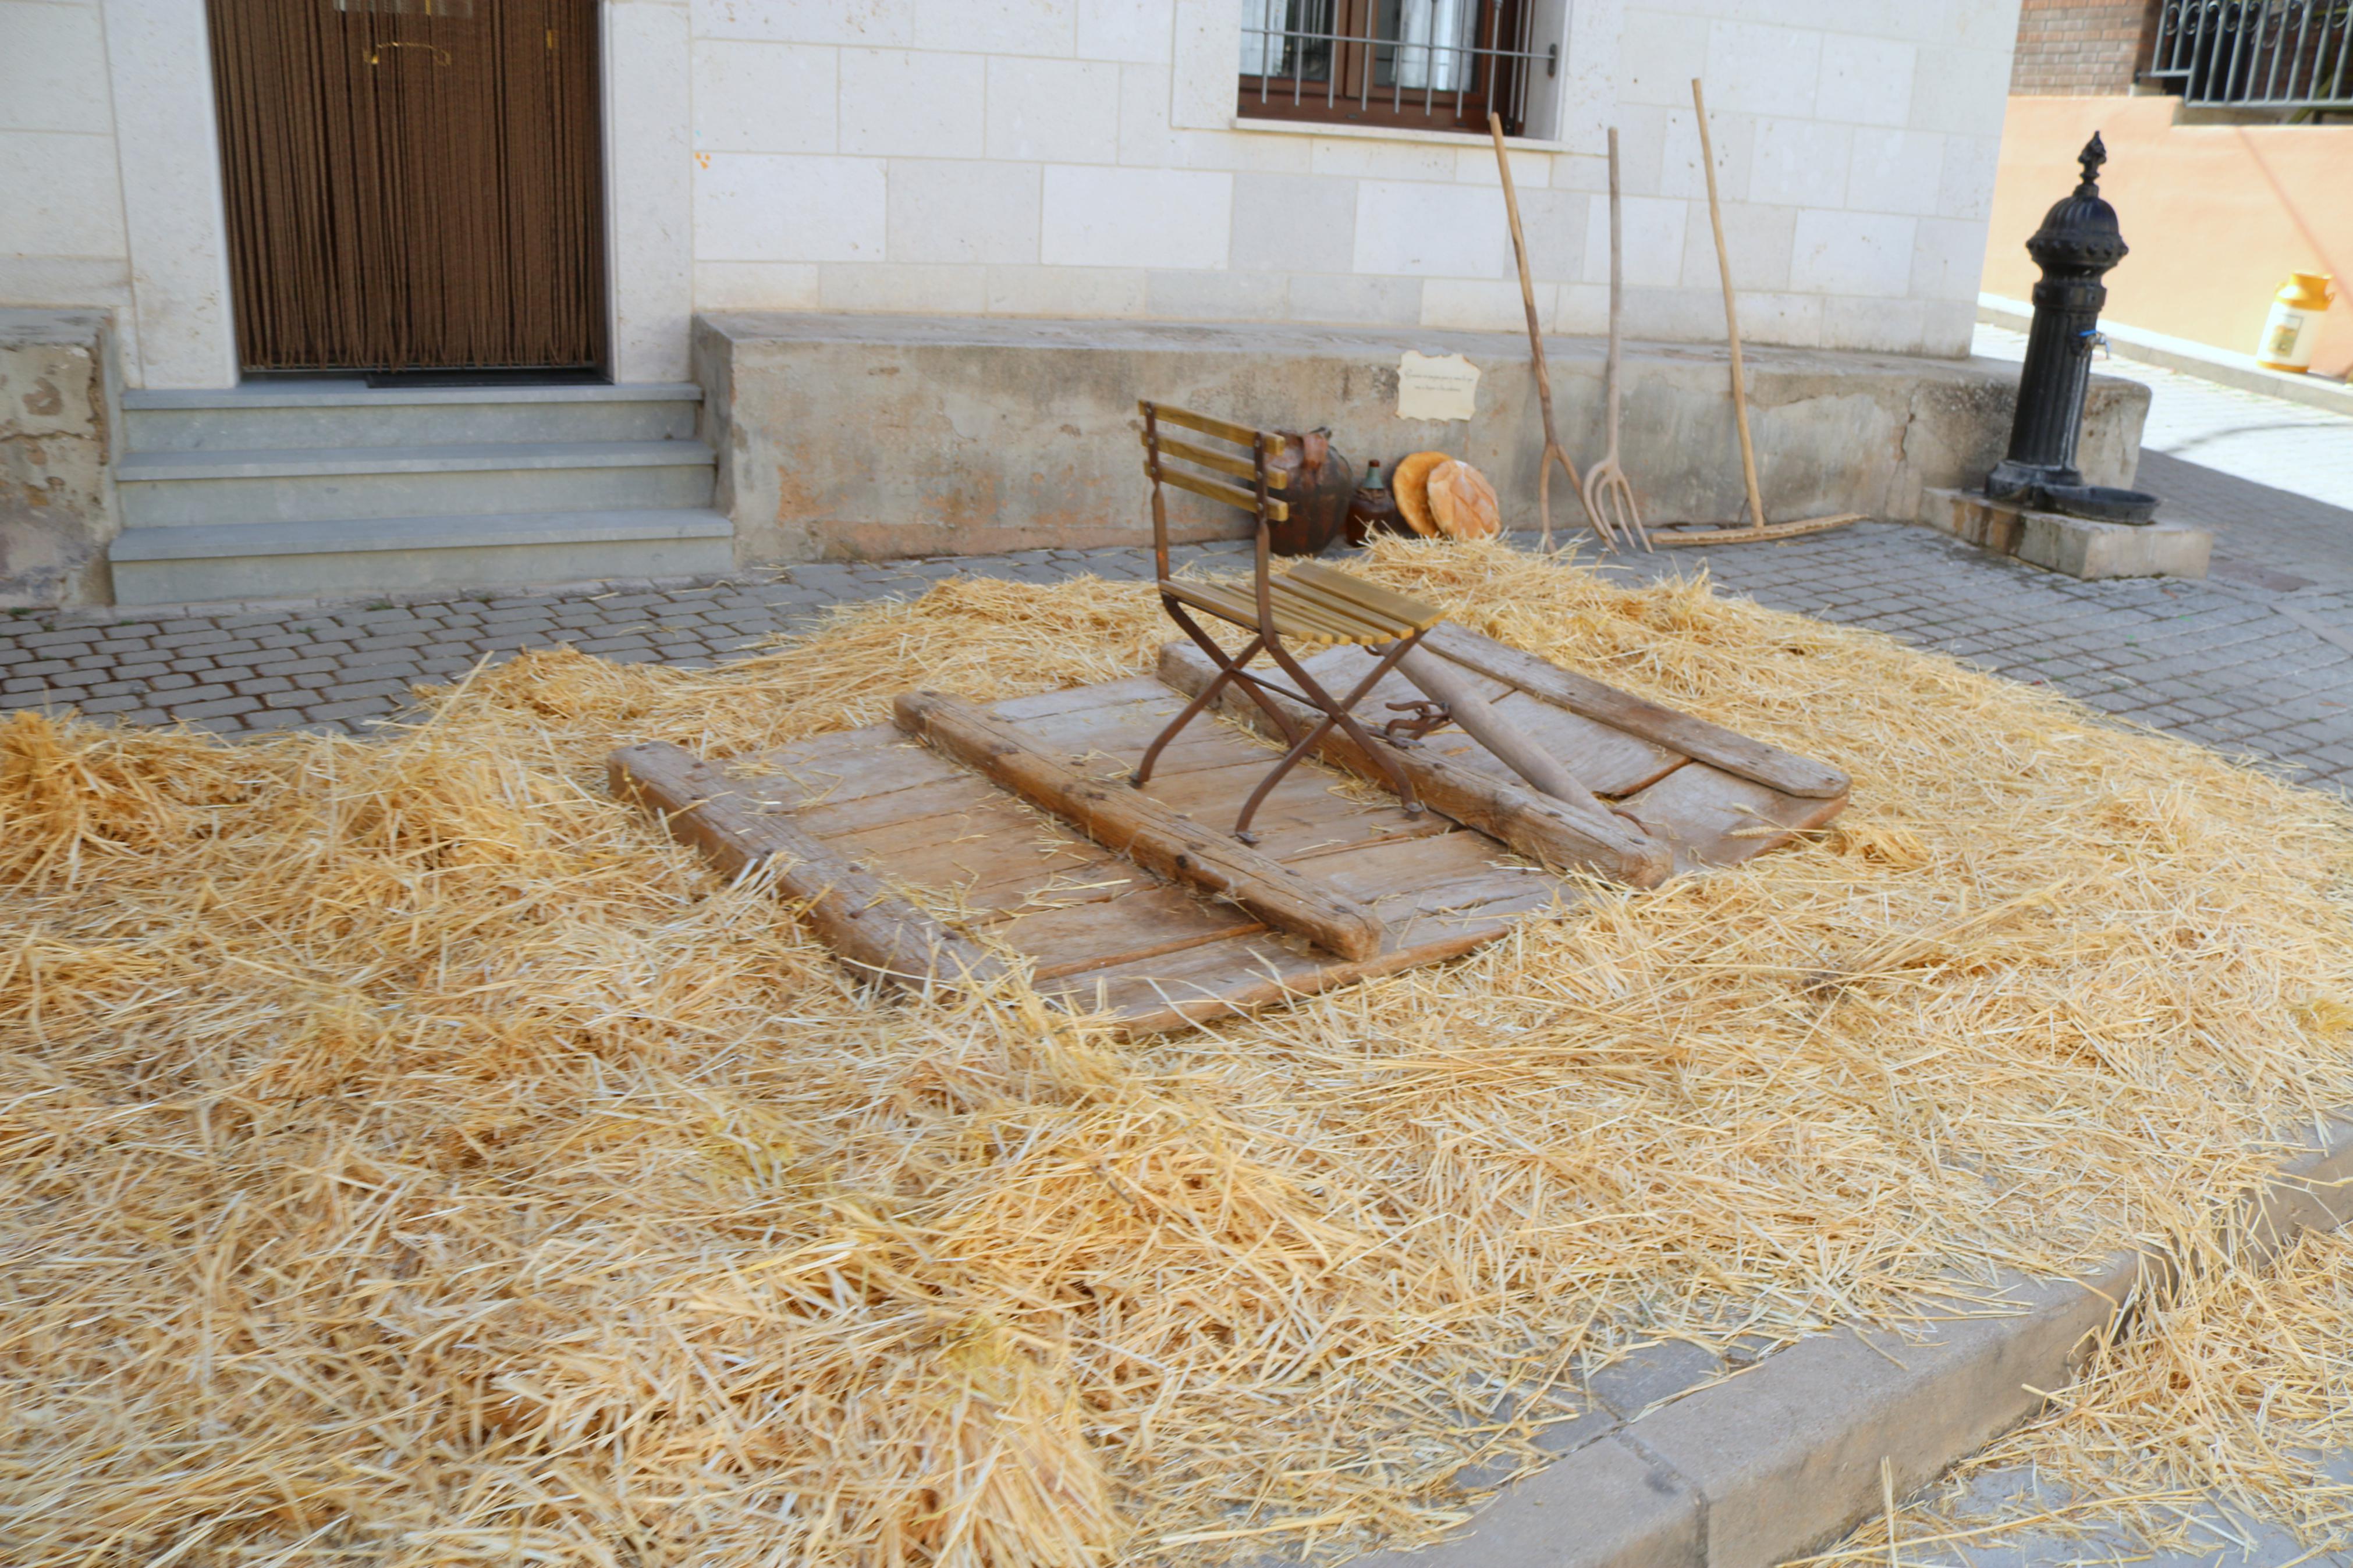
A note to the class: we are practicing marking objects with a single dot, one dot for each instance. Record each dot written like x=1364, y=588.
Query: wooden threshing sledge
x=924, y=851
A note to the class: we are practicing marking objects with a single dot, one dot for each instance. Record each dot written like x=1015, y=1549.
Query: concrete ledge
x=1755, y=1467
x=2200, y=360
x=2073, y=546
x=846, y=438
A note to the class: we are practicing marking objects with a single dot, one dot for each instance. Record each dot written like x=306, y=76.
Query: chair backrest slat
x=1253, y=465
x=1241, y=468
x=1232, y=495
x=1223, y=430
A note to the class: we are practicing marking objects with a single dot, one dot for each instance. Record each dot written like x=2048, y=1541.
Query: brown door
x=412, y=184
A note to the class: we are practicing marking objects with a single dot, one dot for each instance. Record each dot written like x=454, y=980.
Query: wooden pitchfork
x=1553, y=450
x=1609, y=495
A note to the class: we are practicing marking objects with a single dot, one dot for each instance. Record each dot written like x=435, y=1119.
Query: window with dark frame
x=1432, y=65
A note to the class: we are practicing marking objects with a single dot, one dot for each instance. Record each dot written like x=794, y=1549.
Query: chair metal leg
x=1332, y=714
x=1208, y=694
x=1208, y=645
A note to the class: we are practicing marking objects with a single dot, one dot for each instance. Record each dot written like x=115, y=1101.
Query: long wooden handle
x=1442, y=681
x=1617, y=290
x=1527, y=284
x=1731, y=315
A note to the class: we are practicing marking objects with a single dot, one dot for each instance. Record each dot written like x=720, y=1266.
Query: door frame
x=173, y=298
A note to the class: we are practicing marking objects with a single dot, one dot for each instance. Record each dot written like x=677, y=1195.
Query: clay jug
x=1322, y=484
x=1375, y=508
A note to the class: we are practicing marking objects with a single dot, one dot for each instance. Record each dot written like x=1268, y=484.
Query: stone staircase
x=335, y=490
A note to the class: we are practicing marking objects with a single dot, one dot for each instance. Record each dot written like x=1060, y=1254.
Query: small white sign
x=1443, y=387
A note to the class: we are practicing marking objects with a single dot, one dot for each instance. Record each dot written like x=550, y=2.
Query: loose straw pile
x=412, y=1157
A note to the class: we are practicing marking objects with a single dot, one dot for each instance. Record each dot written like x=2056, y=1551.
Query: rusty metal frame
x=1231, y=668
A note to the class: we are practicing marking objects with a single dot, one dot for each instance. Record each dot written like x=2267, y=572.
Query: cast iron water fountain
x=2076, y=244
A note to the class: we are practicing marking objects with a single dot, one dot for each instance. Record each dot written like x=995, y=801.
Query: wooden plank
x=1078, y=700
x=1007, y=892
x=1695, y=737
x=1712, y=817
x=1529, y=822
x=1143, y=922
x=1149, y=833
x=837, y=767
x=1220, y=979
x=1232, y=495
x=1411, y=866
x=1304, y=816
x=1224, y=463
x=877, y=934
x=831, y=818
x=1223, y=430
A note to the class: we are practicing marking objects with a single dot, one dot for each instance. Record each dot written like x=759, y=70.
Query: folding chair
x=1311, y=605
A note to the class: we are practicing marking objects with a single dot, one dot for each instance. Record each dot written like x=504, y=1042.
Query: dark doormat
x=542, y=375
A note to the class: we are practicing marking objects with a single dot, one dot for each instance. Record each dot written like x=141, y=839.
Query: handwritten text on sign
x=1443, y=387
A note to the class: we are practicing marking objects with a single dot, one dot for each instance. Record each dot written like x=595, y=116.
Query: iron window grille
x=1427, y=63
x=2255, y=54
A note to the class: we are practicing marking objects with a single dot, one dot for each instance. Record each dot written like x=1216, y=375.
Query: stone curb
x=1784, y=1458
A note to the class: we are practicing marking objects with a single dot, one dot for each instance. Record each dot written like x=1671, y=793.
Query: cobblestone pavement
x=2257, y=659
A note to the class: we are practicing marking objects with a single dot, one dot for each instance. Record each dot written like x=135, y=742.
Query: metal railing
x=2256, y=53
x=1396, y=55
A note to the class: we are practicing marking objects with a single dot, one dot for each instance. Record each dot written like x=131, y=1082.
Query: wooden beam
x=1131, y=823
x=1695, y=737
x=877, y=934
x=1532, y=822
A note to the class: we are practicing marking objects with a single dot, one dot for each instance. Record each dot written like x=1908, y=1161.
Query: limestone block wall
x=62, y=241
x=1084, y=158
x=850, y=437
x=56, y=512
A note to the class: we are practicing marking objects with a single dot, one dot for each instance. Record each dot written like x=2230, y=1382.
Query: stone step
x=352, y=558
x=173, y=489
x=349, y=413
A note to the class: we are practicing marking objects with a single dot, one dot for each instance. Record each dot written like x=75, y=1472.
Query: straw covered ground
x=411, y=1157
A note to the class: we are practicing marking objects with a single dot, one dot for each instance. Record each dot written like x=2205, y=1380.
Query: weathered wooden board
x=954, y=864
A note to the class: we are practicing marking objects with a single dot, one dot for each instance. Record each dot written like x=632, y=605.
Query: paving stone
x=214, y=707
x=272, y=719
x=349, y=709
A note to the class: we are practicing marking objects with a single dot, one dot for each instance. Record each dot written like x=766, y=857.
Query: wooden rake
x=1759, y=530
x=1553, y=451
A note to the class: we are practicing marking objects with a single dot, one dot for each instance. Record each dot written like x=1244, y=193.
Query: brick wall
x=2079, y=49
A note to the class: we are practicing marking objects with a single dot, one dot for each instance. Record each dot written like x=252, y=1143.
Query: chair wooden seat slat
x=1311, y=605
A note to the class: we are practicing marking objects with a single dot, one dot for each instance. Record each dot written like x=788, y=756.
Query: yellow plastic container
x=2293, y=325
